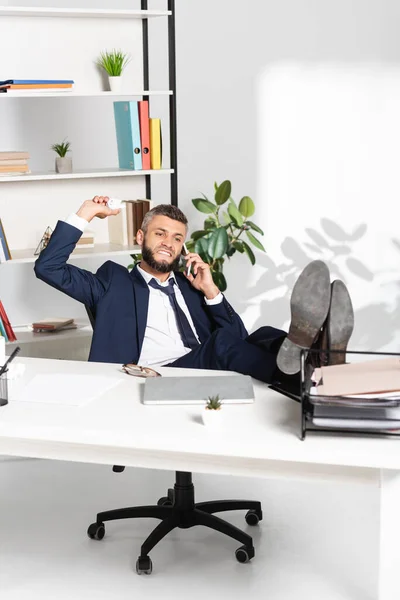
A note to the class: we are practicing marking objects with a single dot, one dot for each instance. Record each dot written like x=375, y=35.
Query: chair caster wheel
x=96, y=531
x=253, y=517
x=167, y=500
x=244, y=554
x=144, y=565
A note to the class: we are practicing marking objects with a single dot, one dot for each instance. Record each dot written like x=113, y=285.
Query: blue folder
x=3, y=330
x=3, y=242
x=127, y=128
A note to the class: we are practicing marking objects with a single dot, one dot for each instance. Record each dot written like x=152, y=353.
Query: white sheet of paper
x=70, y=390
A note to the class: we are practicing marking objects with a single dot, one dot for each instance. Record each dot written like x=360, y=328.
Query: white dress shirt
x=162, y=341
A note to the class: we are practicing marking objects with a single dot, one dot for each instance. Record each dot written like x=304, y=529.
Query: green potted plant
x=212, y=411
x=63, y=162
x=226, y=230
x=114, y=63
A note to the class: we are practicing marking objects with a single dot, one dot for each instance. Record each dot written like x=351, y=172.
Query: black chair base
x=178, y=509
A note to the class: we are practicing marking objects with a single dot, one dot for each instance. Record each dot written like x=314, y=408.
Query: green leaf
x=246, y=207
x=210, y=223
x=231, y=251
x=235, y=214
x=223, y=192
x=198, y=234
x=249, y=253
x=203, y=205
x=238, y=245
x=201, y=247
x=190, y=245
x=215, y=186
x=255, y=227
x=219, y=280
x=113, y=62
x=218, y=243
x=255, y=241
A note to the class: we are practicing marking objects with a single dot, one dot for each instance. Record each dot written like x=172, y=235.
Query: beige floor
x=317, y=540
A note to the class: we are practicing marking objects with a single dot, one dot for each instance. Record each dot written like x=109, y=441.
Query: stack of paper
x=364, y=395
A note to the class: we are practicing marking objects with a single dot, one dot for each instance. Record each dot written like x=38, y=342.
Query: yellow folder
x=155, y=143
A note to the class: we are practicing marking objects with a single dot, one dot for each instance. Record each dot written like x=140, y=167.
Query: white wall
x=297, y=103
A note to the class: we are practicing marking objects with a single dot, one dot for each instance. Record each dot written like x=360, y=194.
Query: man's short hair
x=164, y=210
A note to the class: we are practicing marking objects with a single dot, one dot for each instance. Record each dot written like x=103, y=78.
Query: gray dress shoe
x=309, y=306
x=339, y=324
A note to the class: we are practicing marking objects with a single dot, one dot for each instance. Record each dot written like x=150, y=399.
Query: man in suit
x=156, y=316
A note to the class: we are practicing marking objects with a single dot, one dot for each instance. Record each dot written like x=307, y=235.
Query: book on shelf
x=53, y=324
x=13, y=154
x=14, y=163
x=5, y=253
x=36, y=82
x=37, y=86
x=13, y=168
x=86, y=240
x=155, y=143
x=122, y=228
x=22, y=86
x=6, y=325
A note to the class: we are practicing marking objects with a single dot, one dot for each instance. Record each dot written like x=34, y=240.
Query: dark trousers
x=255, y=355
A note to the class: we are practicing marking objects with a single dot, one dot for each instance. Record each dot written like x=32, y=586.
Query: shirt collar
x=147, y=277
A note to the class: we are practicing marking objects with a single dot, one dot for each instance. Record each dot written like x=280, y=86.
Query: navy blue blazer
x=119, y=300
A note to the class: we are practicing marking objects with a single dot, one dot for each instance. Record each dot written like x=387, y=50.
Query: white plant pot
x=63, y=164
x=212, y=418
x=115, y=83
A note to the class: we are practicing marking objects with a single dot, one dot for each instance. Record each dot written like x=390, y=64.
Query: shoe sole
x=309, y=306
x=340, y=322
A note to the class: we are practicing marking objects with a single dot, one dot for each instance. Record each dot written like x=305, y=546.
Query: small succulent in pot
x=212, y=411
x=63, y=162
x=213, y=403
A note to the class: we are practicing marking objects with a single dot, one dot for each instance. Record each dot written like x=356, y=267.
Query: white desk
x=260, y=439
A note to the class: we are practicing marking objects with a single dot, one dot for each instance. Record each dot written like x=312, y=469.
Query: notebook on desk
x=235, y=389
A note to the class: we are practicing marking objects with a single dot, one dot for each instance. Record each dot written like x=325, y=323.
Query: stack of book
x=5, y=253
x=40, y=86
x=138, y=136
x=52, y=325
x=5, y=326
x=122, y=228
x=14, y=163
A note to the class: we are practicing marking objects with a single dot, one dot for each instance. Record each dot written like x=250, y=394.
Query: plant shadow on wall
x=378, y=324
x=331, y=243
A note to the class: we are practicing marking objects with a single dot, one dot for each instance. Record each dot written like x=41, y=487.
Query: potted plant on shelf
x=114, y=63
x=63, y=162
x=212, y=411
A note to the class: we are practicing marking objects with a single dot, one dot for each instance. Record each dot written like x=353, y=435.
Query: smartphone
x=184, y=252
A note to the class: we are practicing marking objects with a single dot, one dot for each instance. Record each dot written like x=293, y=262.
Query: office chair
x=179, y=509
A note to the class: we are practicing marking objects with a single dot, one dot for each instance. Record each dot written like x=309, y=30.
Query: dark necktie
x=188, y=338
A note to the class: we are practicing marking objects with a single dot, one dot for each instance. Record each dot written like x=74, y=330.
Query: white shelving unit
x=82, y=174
x=53, y=43
x=81, y=13
x=122, y=95
x=108, y=250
